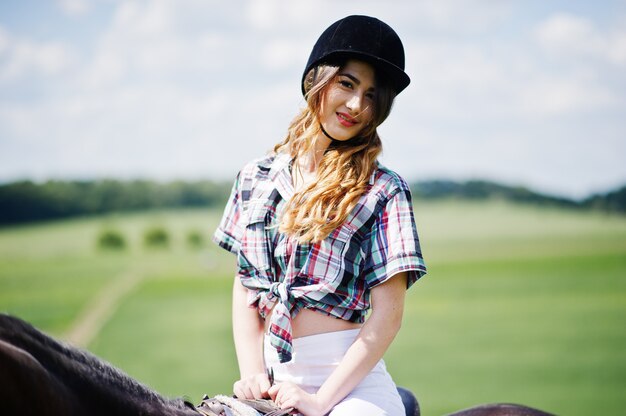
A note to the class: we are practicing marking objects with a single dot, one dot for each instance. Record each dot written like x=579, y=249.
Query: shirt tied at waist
x=277, y=296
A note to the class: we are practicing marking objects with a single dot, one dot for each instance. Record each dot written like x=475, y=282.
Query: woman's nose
x=354, y=103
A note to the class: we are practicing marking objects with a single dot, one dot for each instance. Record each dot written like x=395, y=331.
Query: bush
x=195, y=239
x=156, y=237
x=111, y=239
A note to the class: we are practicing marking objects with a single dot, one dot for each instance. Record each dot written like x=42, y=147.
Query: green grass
x=183, y=333
x=520, y=304
x=51, y=292
x=543, y=332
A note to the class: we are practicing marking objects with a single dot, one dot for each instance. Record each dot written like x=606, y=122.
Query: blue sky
x=529, y=93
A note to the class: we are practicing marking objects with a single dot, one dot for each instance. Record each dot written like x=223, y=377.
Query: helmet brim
x=386, y=71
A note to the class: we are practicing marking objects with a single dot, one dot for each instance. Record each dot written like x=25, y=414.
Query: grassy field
x=521, y=304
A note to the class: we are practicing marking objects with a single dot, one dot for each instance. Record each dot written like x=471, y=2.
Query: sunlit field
x=521, y=304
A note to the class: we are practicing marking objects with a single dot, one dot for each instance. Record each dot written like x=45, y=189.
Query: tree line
x=613, y=201
x=26, y=201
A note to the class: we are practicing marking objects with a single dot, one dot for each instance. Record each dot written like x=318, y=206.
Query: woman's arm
x=248, y=335
x=369, y=347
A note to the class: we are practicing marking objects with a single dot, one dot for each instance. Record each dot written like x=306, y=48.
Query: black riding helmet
x=365, y=38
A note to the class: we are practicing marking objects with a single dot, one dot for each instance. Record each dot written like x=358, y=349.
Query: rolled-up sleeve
x=394, y=243
x=229, y=231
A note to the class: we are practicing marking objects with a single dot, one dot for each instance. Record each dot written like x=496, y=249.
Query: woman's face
x=348, y=101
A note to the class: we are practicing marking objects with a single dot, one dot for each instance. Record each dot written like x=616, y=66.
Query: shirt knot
x=280, y=291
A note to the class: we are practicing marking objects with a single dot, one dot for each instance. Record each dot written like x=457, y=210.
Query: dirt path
x=100, y=309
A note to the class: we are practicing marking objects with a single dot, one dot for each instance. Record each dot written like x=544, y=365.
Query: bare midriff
x=309, y=322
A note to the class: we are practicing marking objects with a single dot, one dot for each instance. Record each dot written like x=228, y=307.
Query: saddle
x=230, y=406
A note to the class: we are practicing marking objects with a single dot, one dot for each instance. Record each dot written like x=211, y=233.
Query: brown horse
x=42, y=376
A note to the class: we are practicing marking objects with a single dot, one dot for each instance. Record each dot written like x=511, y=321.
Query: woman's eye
x=346, y=84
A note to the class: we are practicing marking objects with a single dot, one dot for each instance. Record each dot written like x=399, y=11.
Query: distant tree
x=25, y=201
x=614, y=201
x=28, y=201
x=195, y=239
x=478, y=190
x=111, y=239
x=156, y=237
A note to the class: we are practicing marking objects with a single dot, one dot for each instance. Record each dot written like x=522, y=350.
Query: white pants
x=314, y=359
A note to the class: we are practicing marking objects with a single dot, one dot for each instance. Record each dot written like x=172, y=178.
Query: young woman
x=323, y=233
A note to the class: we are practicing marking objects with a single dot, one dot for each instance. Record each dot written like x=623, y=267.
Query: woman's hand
x=252, y=387
x=288, y=394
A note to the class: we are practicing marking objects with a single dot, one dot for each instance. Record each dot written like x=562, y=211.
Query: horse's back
x=501, y=409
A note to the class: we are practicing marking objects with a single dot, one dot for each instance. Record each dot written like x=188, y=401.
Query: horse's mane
x=95, y=380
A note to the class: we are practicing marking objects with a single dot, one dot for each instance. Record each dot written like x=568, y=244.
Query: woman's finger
x=273, y=391
x=236, y=390
x=255, y=389
x=287, y=404
x=264, y=386
x=242, y=390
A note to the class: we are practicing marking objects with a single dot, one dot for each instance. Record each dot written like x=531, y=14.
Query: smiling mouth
x=346, y=120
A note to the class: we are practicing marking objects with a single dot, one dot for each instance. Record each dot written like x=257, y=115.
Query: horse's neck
x=55, y=376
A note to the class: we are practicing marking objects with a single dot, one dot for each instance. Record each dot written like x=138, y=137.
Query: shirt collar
x=373, y=175
x=280, y=175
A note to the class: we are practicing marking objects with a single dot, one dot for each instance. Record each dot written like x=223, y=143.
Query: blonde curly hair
x=345, y=169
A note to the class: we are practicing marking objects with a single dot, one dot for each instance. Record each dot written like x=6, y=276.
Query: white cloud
x=466, y=15
x=24, y=57
x=276, y=14
x=464, y=80
x=144, y=19
x=575, y=36
x=284, y=53
x=262, y=13
x=617, y=48
x=107, y=68
x=4, y=40
x=18, y=124
x=568, y=33
x=74, y=7
x=550, y=96
x=455, y=80
x=147, y=42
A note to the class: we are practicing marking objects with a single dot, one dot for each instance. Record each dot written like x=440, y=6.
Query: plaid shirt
x=333, y=276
